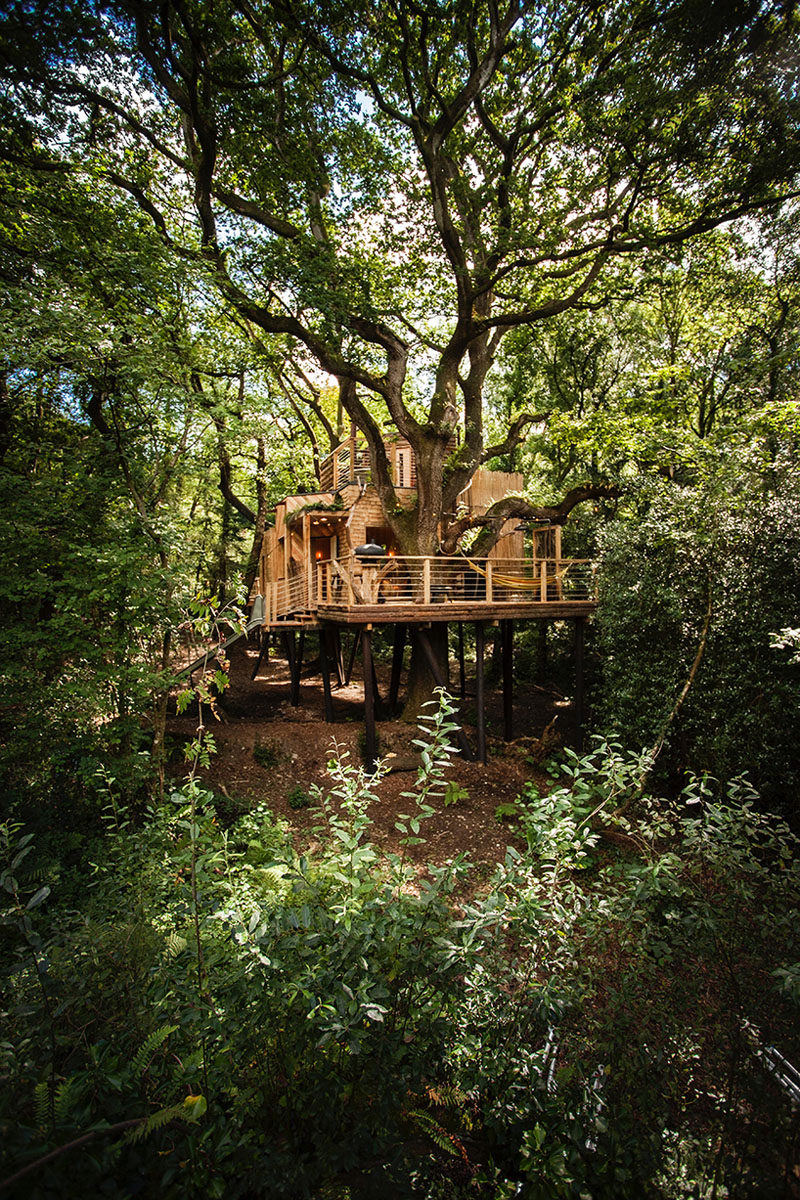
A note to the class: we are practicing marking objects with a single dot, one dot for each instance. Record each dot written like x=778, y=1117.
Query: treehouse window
x=320, y=549
x=404, y=468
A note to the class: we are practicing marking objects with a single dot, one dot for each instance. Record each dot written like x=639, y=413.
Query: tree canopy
x=558, y=238
x=395, y=188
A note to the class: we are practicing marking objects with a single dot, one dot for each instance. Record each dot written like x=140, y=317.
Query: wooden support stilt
x=370, y=742
x=294, y=667
x=462, y=679
x=436, y=672
x=338, y=657
x=351, y=664
x=397, y=665
x=326, y=677
x=507, y=639
x=375, y=689
x=480, y=705
x=580, y=643
x=263, y=654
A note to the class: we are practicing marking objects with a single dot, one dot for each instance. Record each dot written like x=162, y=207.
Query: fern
x=53, y=1103
x=174, y=945
x=64, y=1099
x=191, y=1109
x=42, y=1104
x=448, y=1095
x=144, y=1054
x=440, y=1136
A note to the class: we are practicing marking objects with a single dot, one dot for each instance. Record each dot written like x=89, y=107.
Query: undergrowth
x=212, y=1013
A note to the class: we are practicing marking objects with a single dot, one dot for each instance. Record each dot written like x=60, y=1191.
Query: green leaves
x=685, y=546
x=561, y=1023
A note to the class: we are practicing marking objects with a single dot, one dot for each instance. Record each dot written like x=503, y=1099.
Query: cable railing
x=404, y=579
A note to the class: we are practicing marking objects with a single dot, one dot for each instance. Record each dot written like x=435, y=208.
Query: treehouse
x=331, y=556
x=331, y=563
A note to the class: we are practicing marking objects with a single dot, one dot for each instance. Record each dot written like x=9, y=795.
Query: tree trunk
x=421, y=681
x=160, y=700
x=261, y=515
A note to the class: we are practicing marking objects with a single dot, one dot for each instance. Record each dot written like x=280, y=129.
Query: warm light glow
x=392, y=553
x=319, y=555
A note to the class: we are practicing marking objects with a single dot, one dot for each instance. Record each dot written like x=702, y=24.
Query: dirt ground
x=297, y=743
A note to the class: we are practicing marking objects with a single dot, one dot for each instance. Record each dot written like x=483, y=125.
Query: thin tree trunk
x=160, y=700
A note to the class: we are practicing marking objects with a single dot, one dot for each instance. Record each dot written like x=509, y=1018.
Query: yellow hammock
x=514, y=581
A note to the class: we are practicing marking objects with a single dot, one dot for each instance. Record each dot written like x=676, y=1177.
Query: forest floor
x=256, y=719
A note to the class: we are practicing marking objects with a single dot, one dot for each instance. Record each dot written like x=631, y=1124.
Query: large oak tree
x=395, y=186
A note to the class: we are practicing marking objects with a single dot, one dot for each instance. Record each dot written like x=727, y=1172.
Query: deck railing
x=403, y=580
x=347, y=464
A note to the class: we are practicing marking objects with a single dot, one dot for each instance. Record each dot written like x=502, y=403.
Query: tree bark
x=421, y=682
x=492, y=521
x=251, y=570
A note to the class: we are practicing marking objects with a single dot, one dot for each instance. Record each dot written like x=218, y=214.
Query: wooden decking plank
x=418, y=614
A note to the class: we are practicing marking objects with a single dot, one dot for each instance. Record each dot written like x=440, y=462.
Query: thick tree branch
x=515, y=435
x=223, y=457
x=516, y=507
x=255, y=212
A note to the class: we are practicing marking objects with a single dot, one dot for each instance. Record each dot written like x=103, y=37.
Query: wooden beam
x=353, y=590
x=507, y=640
x=309, y=565
x=326, y=677
x=462, y=680
x=338, y=657
x=480, y=705
x=351, y=664
x=397, y=665
x=370, y=742
x=375, y=688
x=436, y=672
x=263, y=653
x=294, y=660
x=456, y=610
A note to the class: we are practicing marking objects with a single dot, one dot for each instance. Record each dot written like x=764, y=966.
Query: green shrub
x=267, y=754
x=736, y=547
x=229, y=1018
x=298, y=797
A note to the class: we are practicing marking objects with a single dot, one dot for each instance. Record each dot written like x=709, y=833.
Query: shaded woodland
x=558, y=241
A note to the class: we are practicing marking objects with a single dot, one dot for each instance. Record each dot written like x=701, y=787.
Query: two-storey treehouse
x=332, y=561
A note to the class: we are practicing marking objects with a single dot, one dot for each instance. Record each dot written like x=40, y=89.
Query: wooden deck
x=431, y=614
x=395, y=589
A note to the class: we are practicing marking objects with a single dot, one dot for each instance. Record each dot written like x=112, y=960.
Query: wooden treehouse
x=331, y=563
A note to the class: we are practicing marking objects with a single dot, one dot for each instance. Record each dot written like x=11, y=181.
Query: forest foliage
x=568, y=233
x=206, y=1010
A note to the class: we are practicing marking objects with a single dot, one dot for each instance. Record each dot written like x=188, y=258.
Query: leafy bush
x=736, y=546
x=267, y=754
x=298, y=797
x=222, y=1016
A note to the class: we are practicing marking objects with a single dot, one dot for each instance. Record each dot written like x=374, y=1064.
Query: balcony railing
x=347, y=464
x=402, y=580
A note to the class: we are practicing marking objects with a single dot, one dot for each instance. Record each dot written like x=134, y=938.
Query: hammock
x=516, y=582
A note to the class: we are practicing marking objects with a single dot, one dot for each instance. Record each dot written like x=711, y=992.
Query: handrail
x=424, y=580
